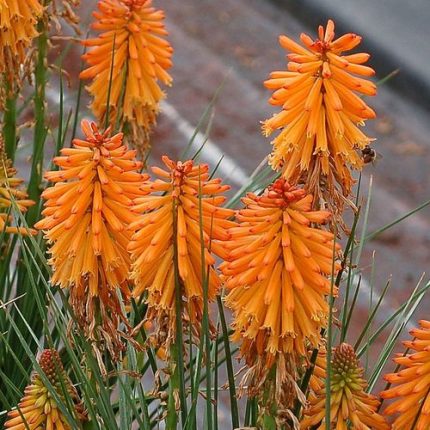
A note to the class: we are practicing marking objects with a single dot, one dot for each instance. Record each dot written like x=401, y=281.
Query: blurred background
x=235, y=42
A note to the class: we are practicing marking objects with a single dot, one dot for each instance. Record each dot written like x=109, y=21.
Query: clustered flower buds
x=277, y=265
x=11, y=196
x=126, y=63
x=85, y=220
x=181, y=220
x=17, y=31
x=321, y=114
x=350, y=403
x=411, y=384
x=38, y=409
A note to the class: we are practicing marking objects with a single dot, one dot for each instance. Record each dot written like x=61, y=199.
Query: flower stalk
x=40, y=128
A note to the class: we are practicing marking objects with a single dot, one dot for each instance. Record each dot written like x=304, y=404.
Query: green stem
x=178, y=311
x=215, y=405
x=107, y=119
x=9, y=127
x=254, y=412
x=78, y=100
x=205, y=321
x=174, y=388
x=329, y=341
x=229, y=363
x=247, y=420
x=41, y=128
x=305, y=382
x=269, y=407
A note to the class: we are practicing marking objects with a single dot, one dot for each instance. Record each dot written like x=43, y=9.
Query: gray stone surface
x=397, y=30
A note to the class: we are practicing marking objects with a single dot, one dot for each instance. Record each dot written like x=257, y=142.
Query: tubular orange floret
x=17, y=30
x=85, y=221
x=276, y=265
x=11, y=196
x=132, y=33
x=320, y=115
x=411, y=385
x=179, y=203
x=38, y=409
x=318, y=376
x=351, y=406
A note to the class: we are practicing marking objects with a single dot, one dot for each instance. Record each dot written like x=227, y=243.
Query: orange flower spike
x=140, y=51
x=276, y=267
x=17, y=30
x=10, y=195
x=411, y=385
x=351, y=406
x=95, y=187
x=38, y=408
x=86, y=216
x=182, y=190
x=321, y=110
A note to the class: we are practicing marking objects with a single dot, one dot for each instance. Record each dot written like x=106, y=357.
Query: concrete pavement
x=395, y=31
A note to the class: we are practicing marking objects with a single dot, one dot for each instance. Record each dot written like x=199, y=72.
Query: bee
x=370, y=155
